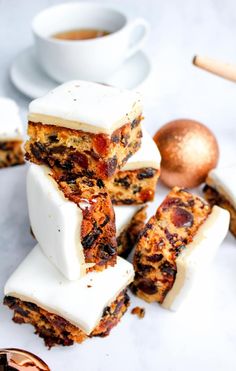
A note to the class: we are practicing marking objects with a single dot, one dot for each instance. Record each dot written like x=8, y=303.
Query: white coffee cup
x=93, y=59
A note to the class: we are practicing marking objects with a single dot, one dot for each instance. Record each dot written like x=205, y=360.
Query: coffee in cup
x=80, y=34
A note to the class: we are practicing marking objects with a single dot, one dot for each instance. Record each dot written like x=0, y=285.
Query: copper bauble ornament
x=21, y=360
x=189, y=150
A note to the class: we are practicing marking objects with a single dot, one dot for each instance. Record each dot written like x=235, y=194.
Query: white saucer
x=31, y=80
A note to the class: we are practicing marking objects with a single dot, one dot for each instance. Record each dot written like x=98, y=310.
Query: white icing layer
x=224, y=181
x=86, y=106
x=10, y=122
x=147, y=156
x=124, y=215
x=36, y=280
x=55, y=222
x=193, y=262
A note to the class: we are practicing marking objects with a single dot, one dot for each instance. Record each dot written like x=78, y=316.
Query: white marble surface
x=202, y=336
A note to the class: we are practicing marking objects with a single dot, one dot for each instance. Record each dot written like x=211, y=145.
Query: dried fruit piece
x=181, y=218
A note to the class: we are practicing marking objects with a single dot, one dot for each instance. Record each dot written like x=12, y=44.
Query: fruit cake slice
x=136, y=182
x=176, y=245
x=62, y=311
x=84, y=126
x=73, y=221
x=220, y=189
x=11, y=139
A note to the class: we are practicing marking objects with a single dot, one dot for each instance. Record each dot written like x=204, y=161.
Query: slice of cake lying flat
x=176, y=247
x=130, y=220
x=11, y=140
x=73, y=221
x=63, y=311
x=84, y=126
x=136, y=182
x=220, y=189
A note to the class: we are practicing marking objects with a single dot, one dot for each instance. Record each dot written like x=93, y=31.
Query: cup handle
x=137, y=44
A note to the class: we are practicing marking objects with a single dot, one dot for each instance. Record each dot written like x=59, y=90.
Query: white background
x=201, y=336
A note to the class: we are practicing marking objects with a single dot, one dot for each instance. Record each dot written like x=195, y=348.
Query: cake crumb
x=140, y=312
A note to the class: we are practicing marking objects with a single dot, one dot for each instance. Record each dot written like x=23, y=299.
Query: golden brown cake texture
x=133, y=186
x=128, y=237
x=161, y=241
x=55, y=330
x=73, y=151
x=215, y=198
x=11, y=153
x=98, y=231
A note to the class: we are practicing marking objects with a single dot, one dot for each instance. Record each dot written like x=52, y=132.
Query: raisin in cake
x=136, y=182
x=220, y=189
x=84, y=126
x=177, y=245
x=62, y=311
x=11, y=139
x=73, y=221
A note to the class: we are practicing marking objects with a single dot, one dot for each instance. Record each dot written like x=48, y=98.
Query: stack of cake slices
x=88, y=152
